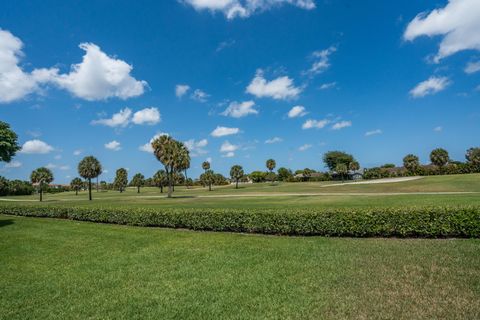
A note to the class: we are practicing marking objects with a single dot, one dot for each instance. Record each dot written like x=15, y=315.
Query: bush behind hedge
x=433, y=222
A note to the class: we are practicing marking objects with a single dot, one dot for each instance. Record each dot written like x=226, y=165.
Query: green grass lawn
x=61, y=269
x=310, y=194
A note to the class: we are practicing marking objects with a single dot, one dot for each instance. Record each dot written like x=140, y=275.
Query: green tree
x=473, y=156
x=411, y=163
x=333, y=158
x=258, y=176
x=160, y=179
x=307, y=174
x=76, y=184
x=236, y=173
x=354, y=166
x=284, y=174
x=8, y=142
x=138, y=181
x=342, y=170
x=271, y=164
x=121, y=179
x=205, y=165
x=89, y=168
x=439, y=157
x=183, y=163
x=41, y=177
x=208, y=178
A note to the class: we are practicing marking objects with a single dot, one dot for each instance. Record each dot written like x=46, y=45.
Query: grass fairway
x=432, y=190
x=60, y=269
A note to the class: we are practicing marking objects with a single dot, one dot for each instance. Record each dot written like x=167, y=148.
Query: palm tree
x=354, y=166
x=439, y=157
x=89, y=168
x=169, y=152
x=236, y=173
x=411, y=163
x=41, y=176
x=76, y=184
x=121, y=179
x=138, y=181
x=206, y=166
x=183, y=160
x=160, y=179
x=473, y=156
x=208, y=178
x=271, y=164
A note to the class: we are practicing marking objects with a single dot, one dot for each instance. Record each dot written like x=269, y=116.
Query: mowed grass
x=465, y=190
x=59, y=269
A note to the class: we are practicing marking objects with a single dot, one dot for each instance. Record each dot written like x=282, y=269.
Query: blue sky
x=375, y=79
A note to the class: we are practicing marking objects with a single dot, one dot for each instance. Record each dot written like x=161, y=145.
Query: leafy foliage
x=121, y=179
x=431, y=222
x=42, y=177
x=8, y=142
x=411, y=162
x=236, y=173
x=439, y=157
x=333, y=158
x=89, y=168
x=138, y=181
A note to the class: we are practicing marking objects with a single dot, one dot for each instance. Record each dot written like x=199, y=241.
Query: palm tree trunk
x=76, y=192
x=169, y=174
x=90, y=189
x=186, y=183
x=209, y=186
x=138, y=189
x=161, y=188
x=236, y=184
x=41, y=198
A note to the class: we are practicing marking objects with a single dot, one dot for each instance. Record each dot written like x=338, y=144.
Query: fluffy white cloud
x=458, y=22
x=280, y=88
x=317, y=124
x=196, y=148
x=36, y=147
x=430, y=86
x=199, y=95
x=273, y=140
x=113, y=145
x=148, y=116
x=244, y=8
x=228, y=155
x=99, y=77
x=438, y=129
x=304, y=147
x=228, y=147
x=77, y=152
x=297, y=111
x=13, y=164
x=119, y=119
x=342, y=124
x=15, y=83
x=181, y=90
x=239, y=110
x=322, y=61
x=224, y=131
x=472, y=67
x=373, y=132
x=147, y=147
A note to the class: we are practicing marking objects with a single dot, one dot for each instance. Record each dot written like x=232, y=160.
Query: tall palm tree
x=439, y=157
x=271, y=164
x=160, y=179
x=236, y=173
x=168, y=151
x=76, y=184
x=183, y=159
x=121, y=179
x=411, y=163
x=41, y=176
x=89, y=168
x=341, y=170
x=205, y=166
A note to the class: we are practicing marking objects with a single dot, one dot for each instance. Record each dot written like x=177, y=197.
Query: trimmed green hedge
x=434, y=222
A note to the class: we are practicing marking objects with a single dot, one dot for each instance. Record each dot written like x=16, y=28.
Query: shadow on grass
x=7, y=222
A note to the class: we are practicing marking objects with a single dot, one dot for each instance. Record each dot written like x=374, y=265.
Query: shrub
x=433, y=222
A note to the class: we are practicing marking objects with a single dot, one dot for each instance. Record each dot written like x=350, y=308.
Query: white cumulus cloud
x=373, y=132
x=196, y=148
x=317, y=124
x=228, y=149
x=245, y=8
x=148, y=116
x=224, y=131
x=472, y=67
x=113, y=145
x=458, y=22
x=322, y=61
x=280, y=88
x=181, y=90
x=119, y=119
x=297, y=111
x=430, y=86
x=36, y=147
x=273, y=140
x=199, y=95
x=240, y=109
x=342, y=124
x=13, y=164
x=304, y=147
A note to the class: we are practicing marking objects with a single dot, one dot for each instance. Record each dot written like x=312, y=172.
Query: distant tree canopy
x=89, y=168
x=121, y=179
x=160, y=179
x=41, y=176
x=236, y=173
x=411, y=162
x=76, y=184
x=284, y=174
x=473, y=156
x=334, y=158
x=8, y=142
x=439, y=157
x=208, y=178
x=138, y=181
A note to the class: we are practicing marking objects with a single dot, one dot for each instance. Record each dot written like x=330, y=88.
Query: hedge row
x=434, y=222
